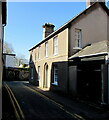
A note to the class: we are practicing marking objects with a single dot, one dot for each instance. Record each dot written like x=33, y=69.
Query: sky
x=25, y=20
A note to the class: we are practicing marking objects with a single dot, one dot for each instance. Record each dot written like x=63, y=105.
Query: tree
x=7, y=48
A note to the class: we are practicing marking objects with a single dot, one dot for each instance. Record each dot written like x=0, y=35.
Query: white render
x=10, y=61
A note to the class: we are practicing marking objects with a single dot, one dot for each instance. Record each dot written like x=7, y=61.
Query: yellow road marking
x=18, y=106
x=59, y=105
x=44, y=96
x=16, y=112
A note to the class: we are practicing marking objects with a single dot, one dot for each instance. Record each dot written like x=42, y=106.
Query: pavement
x=84, y=110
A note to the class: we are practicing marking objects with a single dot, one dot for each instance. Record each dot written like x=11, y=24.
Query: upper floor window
x=46, y=49
x=39, y=52
x=78, y=38
x=55, y=45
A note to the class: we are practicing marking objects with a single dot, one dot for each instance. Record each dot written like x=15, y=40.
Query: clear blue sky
x=25, y=20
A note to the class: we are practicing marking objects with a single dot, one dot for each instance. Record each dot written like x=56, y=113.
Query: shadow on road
x=7, y=108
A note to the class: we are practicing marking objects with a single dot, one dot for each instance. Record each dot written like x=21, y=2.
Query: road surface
x=31, y=105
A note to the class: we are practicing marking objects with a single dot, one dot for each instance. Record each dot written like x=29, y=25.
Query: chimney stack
x=90, y=2
x=48, y=28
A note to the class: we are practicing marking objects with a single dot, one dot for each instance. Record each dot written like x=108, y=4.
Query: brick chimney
x=48, y=28
x=90, y=2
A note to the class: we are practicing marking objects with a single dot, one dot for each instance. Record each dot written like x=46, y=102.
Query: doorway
x=45, y=83
x=89, y=81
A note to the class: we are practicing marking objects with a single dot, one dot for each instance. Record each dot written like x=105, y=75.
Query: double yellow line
x=76, y=116
x=18, y=112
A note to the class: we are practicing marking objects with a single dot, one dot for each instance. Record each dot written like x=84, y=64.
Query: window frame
x=55, y=45
x=55, y=75
x=78, y=37
x=46, y=49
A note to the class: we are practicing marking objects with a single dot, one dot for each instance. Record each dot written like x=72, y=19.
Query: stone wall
x=16, y=74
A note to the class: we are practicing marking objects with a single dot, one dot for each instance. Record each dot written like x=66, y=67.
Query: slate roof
x=95, y=49
x=67, y=24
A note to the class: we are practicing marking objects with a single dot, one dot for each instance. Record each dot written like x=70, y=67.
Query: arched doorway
x=45, y=83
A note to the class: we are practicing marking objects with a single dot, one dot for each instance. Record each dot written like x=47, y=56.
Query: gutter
x=88, y=56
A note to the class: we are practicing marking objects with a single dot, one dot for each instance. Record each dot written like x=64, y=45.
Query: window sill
x=77, y=48
x=55, y=54
x=55, y=83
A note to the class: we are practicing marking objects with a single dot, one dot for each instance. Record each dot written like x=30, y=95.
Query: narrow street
x=32, y=105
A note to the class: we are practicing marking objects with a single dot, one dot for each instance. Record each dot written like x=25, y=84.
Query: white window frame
x=55, y=75
x=55, y=45
x=46, y=49
x=38, y=73
x=78, y=38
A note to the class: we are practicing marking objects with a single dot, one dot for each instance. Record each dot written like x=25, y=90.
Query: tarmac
x=84, y=110
x=8, y=112
x=80, y=109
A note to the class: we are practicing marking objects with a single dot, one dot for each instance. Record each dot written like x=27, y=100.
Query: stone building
x=74, y=58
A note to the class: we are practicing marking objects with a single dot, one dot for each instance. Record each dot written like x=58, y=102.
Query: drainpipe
x=2, y=37
x=102, y=86
x=3, y=43
x=102, y=80
x=105, y=78
x=107, y=63
x=108, y=80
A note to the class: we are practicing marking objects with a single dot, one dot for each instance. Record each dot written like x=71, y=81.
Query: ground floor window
x=55, y=70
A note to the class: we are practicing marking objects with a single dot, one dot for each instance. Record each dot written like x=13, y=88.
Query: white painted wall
x=93, y=25
x=10, y=61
